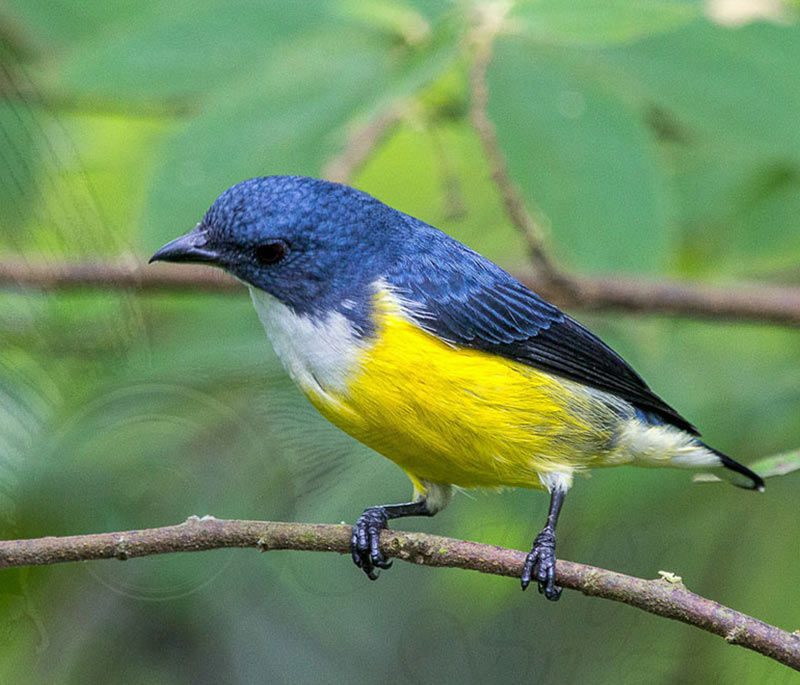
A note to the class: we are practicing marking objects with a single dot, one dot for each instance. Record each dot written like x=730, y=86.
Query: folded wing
x=464, y=299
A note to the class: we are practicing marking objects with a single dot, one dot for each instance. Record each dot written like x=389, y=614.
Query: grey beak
x=191, y=247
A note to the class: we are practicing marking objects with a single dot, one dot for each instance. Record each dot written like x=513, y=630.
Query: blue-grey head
x=314, y=245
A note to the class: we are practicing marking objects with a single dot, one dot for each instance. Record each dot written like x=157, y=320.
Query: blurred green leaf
x=595, y=22
x=290, y=118
x=396, y=17
x=723, y=106
x=581, y=153
x=768, y=467
x=18, y=161
x=778, y=465
x=188, y=48
x=65, y=23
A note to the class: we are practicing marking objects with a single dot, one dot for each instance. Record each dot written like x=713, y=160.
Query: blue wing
x=467, y=300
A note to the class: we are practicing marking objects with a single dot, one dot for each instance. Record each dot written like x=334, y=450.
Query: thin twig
x=666, y=596
x=363, y=142
x=487, y=27
x=757, y=303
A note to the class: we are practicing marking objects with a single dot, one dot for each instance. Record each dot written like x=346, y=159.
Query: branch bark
x=757, y=303
x=666, y=597
x=115, y=275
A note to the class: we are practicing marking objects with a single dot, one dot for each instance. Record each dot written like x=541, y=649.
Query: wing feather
x=467, y=300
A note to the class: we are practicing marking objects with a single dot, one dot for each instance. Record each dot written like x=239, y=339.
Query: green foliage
x=645, y=138
x=598, y=22
x=568, y=125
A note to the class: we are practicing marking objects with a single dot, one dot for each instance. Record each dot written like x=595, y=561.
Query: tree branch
x=753, y=302
x=666, y=597
x=758, y=303
x=115, y=275
x=363, y=142
x=487, y=26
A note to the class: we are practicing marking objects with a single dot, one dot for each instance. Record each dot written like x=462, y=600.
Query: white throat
x=319, y=354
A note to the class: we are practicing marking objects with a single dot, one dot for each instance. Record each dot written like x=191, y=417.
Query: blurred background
x=656, y=139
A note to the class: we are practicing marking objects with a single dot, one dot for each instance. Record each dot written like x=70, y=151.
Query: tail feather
x=736, y=473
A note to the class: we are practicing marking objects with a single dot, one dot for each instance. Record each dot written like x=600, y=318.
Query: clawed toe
x=540, y=565
x=365, y=542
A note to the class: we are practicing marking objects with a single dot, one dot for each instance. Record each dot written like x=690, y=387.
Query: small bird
x=434, y=356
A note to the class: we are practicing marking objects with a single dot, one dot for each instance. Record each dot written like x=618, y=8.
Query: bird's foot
x=540, y=565
x=364, y=545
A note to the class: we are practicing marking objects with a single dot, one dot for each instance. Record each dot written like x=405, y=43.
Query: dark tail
x=735, y=473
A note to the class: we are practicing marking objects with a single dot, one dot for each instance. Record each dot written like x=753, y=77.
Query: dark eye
x=272, y=252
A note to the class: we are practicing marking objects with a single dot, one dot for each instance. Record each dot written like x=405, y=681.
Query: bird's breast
x=445, y=414
x=321, y=354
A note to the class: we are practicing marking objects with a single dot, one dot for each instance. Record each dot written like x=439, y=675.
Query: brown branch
x=363, y=142
x=666, y=597
x=487, y=26
x=117, y=275
x=758, y=303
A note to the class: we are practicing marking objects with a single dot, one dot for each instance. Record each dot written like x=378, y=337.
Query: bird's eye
x=272, y=252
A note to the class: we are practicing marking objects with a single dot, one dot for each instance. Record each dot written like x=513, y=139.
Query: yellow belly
x=461, y=416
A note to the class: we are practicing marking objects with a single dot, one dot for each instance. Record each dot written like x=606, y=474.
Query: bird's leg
x=364, y=545
x=540, y=564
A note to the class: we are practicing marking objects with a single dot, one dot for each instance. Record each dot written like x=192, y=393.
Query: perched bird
x=434, y=356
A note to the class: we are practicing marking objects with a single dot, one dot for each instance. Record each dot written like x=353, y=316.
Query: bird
x=434, y=356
